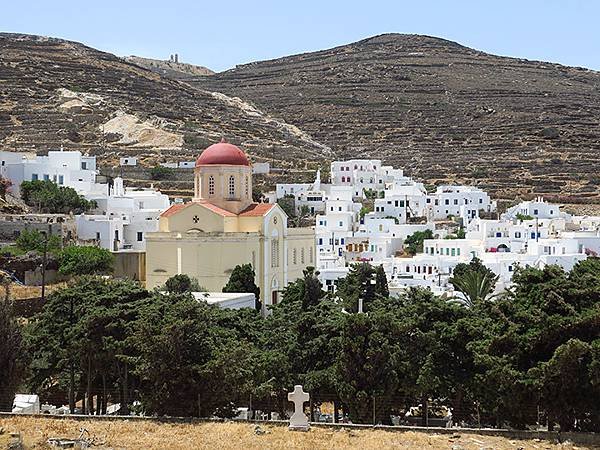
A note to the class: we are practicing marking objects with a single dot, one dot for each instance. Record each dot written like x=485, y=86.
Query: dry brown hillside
x=441, y=110
x=55, y=92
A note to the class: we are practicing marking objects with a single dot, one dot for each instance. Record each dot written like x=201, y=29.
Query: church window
x=247, y=187
x=310, y=254
x=275, y=253
x=294, y=257
x=211, y=185
x=302, y=255
x=231, y=186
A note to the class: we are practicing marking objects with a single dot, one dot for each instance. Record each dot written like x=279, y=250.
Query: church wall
x=208, y=257
x=301, y=252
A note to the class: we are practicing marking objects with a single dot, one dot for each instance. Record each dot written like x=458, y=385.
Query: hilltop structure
x=222, y=227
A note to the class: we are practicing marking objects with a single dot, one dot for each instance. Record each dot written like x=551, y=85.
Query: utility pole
x=44, y=259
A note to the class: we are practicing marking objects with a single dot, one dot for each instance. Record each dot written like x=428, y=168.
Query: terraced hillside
x=442, y=111
x=54, y=92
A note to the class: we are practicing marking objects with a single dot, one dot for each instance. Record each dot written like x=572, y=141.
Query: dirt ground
x=134, y=434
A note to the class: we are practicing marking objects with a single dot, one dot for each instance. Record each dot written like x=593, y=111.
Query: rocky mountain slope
x=55, y=92
x=171, y=69
x=442, y=111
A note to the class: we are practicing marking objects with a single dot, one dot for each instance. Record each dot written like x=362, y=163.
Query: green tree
x=474, y=281
x=85, y=260
x=242, y=280
x=33, y=240
x=49, y=197
x=11, y=350
x=188, y=362
x=364, y=282
x=182, y=283
x=413, y=244
x=79, y=341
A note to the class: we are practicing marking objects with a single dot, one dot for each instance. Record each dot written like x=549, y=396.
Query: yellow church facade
x=222, y=227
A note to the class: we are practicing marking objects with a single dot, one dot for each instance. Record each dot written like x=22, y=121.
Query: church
x=222, y=227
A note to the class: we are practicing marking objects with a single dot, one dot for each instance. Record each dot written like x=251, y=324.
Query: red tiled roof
x=222, y=153
x=216, y=209
x=174, y=208
x=257, y=209
x=254, y=210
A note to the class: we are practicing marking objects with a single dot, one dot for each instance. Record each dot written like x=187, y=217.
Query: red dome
x=222, y=153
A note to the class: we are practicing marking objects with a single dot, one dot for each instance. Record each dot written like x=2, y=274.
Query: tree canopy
x=49, y=197
x=85, y=260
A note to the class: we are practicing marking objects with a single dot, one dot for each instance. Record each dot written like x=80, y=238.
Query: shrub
x=81, y=260
x=49, y=197
x=160, y=172
x=33, y=240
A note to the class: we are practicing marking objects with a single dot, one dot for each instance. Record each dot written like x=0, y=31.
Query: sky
x=220, y=34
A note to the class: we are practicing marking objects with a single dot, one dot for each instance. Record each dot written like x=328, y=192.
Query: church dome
x=222, y=153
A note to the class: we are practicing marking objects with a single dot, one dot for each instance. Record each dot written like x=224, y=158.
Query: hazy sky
x=221, y=34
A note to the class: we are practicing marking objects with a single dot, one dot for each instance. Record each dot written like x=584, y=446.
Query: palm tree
x=475, y=286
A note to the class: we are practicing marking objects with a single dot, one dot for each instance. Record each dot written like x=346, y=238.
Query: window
x=61, y=179
x=211, y=185
x=46, y=177
x=275, y=253
x=456, y=201
x=140, y=236
x=231, y=186
x=83, y=165
x=480, y=200
x=34, y=177
x=247, y=187
x=320, y=241
x=294, y=256
x=447, y=202
x=302, y=255
x=310, y=254
x=453, y=252
x=458, y=252
x=535, y=212
x=341, y=223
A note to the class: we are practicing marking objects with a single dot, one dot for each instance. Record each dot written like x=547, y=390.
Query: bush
x=49, y=197
x=80, y=260
x=5, y=185
x=414, y=243
x=160, y=173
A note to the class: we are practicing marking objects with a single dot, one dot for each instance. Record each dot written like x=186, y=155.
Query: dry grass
x=124, y=434
x=18, y=292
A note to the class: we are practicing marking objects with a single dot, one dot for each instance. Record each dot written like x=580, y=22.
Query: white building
x=463, y=202
x=128, y=161
x=122, y=217
x=65, y=168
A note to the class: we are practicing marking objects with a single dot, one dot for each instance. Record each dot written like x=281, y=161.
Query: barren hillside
x=441, y=110
x=55, y=92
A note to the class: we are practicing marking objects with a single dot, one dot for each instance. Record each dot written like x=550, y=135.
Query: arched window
x=302, y=255
x=247, y=187
x=310, y=255
x=294, y=256
x=211, y=185
x=231, y=186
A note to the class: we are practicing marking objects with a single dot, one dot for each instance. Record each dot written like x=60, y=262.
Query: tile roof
x=216, y=209
x=254, y=210
x=257, y=209
x=173, y=209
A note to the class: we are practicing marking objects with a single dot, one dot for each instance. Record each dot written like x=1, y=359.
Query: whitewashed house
x=122, y=217
x=65, y=168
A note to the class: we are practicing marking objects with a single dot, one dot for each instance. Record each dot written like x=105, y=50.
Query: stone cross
x=298, y=421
